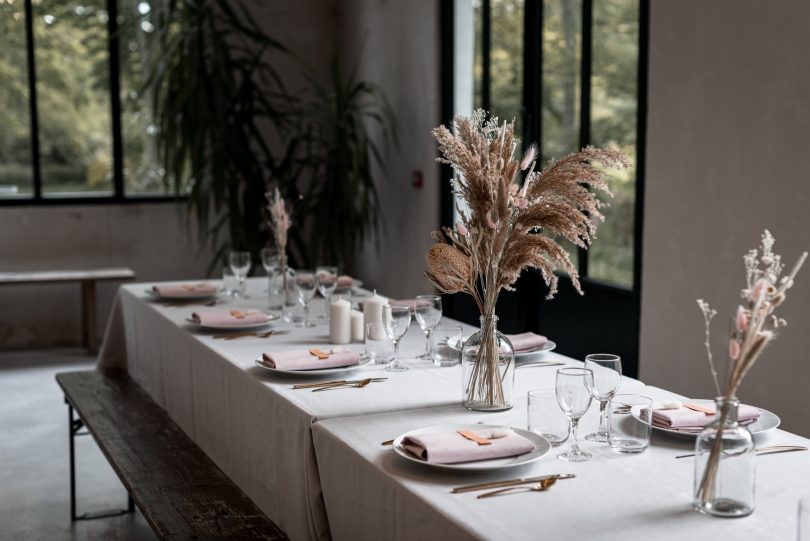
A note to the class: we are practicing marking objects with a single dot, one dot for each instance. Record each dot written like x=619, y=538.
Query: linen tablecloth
x=249, y=421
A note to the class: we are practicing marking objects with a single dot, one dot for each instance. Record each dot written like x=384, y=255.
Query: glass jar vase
x=488, y=369
x=725, y=465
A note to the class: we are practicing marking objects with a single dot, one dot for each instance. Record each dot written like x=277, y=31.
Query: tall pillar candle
x=357, y=326
x=340, y=323
x=372, y=313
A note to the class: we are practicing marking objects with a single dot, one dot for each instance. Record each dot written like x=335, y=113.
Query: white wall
x=728, y=133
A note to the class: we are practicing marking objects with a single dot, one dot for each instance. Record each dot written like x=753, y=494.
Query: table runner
x=250, y=422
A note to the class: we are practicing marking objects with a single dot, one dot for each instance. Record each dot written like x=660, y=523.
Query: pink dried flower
x=759, y=286
x=522, y=203
x=528, y=158
x=462, y=229
x=733, y=349
x=513, y=188
x=741, y=319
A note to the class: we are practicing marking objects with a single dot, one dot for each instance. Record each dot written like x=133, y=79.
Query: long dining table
x=314, y=463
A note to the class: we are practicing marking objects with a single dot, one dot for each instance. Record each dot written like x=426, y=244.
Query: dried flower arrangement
x=279, y=223
x=755, y=325
x=507, y=226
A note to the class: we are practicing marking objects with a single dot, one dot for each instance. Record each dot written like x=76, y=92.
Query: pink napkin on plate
x=527, y=341
x=232, y=317
x=302, y=359
x=452, y=448
x=413, y=304
x=690, y=420
x=344, y=281
x=184, y=290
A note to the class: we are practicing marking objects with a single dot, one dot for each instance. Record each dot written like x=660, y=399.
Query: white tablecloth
x=371, y=493
x=249, y=421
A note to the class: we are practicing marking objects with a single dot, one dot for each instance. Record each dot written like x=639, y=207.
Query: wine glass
x=305, y=286
x=428, y=311
x=574, y=387
x=396, y=320
x=327, y=283
x=240, y=265
x=607, y=375
x=270, y=263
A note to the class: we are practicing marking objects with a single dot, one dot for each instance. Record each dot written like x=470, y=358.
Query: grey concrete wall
x=728, y=132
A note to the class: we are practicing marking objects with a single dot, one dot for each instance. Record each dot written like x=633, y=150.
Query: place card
x=472, y=436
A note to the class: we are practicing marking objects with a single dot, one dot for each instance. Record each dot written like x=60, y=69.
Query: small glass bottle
x=488, y=369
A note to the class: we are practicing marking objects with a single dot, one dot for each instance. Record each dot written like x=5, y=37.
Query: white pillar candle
x=372, y=313
x=340, y=322
x=357, y=326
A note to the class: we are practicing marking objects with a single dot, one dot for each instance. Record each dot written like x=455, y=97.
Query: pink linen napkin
x=527, y=341
x=344, y=281
x=302, y=359
x=452, y=448
x=687, y=419
x=409, y=303
x=185, y=290
x=233, y=317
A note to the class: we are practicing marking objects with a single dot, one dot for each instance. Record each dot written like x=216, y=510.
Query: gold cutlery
x=510, y=483
x=537, y=487
x=355, y=385
x=234, y=336
x=332, y=383
x=212, y=302
x=388, y=442
x=768, y=450
x=541, y=363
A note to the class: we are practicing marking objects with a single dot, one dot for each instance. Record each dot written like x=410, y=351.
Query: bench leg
x=89, y=336
x=74, y=429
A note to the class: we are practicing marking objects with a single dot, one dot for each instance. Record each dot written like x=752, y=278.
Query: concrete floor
x=34, y=472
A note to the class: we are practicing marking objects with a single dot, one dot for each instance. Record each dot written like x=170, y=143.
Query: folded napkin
x=232, y=317
x=452, y=447
x=690, y=420
x=344, y=281
x=527, y=341
x=185, y=290
x=413, y=304
x=302, y=359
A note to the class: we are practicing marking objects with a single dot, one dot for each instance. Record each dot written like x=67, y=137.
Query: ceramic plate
x=767, y=421
x=364, y=361
x=189, y=298
x=541, y=450
x=549, y=346
x=201, y=327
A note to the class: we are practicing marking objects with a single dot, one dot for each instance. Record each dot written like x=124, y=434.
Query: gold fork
x=358, y=385
x=537, y=487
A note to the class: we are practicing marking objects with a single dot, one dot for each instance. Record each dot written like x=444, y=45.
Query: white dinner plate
x=542, y=447
x=364, y=361
x=191, y=298
x=767, y=421
x=458, y=343
x=247, y=326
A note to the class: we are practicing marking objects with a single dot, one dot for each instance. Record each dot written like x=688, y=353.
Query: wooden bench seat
x=87, y=278
x=179, y=490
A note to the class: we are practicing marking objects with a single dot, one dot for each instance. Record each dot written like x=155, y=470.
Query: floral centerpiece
x=278, y=221
x=724, y=452
x=511, y=218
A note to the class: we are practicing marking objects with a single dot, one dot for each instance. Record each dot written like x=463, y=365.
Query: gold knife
x=510, y=482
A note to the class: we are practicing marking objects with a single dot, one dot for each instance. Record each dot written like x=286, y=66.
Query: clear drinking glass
x=629, y=425
x=270, y=262
x=545, y=417
x=803, y=531
x=396, y=320
x=240, y=265
x=574, y=387
x=379, y=347
x=449, y=344
x=327, y=283
x=428, y=311
x=607, y=375
x=230, y=284
x=305, y=285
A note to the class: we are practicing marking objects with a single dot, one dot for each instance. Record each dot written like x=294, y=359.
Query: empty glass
x=270, y=262
x=230, y=285
x=327, y=282
x=450, y=341
x=428, y=311
x=240, y=265
x=574, y=387
x=607, y=375
x=396, y=320
x=630, y=417
x=305, y=286
x=379, y=347
x=546, y=418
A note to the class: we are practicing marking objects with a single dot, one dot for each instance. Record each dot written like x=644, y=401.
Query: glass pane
x=506, y=61
x=75, y=133
x=16, y=174
x=613, y=123
x=142, y=171
x=478, y=58
x=562, y=46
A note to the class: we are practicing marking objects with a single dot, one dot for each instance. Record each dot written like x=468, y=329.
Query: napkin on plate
x=413, y=304
x=527, y=341
x=185, y=290
x=302, y=359
x=344, y=281
x=690, y=420
x=452, y=447
x=233, y=317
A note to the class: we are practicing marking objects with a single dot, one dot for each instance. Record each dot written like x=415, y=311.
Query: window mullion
x=585, y=98
x=115, y=100
x=486, y=61
x=32, y=99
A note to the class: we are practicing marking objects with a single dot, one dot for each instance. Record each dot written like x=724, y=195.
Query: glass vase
x=283, y=294
x=488, y=369
x=725, y=465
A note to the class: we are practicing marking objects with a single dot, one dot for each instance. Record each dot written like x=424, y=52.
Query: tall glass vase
x=488, y=369
x=725, y=464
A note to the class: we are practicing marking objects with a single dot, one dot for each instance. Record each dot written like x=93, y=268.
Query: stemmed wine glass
x=396, y=320
x=327, y=283
x=240, y=265
x=607, y=375
x=305, y=286
x=574, y=387
x=428, y=311
x=270, y=263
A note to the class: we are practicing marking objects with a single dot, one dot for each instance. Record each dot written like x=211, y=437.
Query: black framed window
x=77, y=124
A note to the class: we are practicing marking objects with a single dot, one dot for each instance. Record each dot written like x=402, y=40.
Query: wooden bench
x=87, y=279
x=179, y=490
